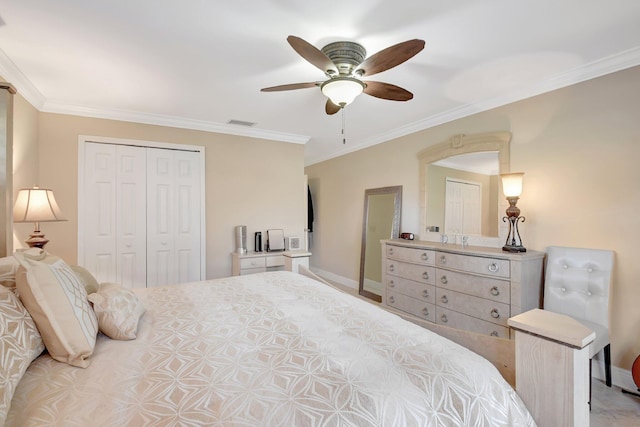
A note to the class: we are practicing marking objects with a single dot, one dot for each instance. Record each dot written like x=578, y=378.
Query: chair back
x=577, y=283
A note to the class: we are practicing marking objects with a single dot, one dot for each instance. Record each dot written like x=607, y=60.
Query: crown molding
x=172, y=121
x=23, y=85
x=618, y=62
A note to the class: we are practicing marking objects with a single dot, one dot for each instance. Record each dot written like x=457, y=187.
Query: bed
x=269, y=349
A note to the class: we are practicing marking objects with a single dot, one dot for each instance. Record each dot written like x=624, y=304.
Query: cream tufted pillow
x=118, y=311
x=57, y=301
x=20, y=344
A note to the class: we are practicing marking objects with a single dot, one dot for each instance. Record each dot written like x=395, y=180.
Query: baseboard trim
x=619, y=377
x=349, y=283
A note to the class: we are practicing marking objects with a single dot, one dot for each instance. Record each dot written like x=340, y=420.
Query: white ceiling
x=198, y=64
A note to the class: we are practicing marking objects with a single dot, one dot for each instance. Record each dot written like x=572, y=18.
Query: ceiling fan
x=345, y=65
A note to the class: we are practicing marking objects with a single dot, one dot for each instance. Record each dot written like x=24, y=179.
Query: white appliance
x=293, y=243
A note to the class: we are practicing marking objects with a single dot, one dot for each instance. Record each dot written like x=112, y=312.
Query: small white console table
x=258, y=262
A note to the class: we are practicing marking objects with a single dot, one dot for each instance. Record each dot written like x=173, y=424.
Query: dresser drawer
x=274, y=260
x=418, y=308
x=416, y=272
x=422, y=291
x=252, y=262
x=474, y=264
x=491, y=311
x=484, y=287
x=457, y=320
x=415, y=255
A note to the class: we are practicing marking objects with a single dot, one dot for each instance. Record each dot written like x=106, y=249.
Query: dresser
x=471, y=288
x=258, y=262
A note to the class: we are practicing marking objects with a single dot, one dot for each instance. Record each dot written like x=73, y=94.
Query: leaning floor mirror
x=382, y=208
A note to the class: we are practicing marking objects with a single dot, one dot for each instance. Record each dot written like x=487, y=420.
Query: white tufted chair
x=577, y=283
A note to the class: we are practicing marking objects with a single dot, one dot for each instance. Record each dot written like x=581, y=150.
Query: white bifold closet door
x=141, y=226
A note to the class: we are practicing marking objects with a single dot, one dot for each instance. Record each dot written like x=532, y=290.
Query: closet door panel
x=161, y=218
x=131, y=214
x=99, y=225
x=188, y=233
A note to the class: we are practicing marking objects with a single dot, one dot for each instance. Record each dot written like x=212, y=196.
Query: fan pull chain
x=344, y=138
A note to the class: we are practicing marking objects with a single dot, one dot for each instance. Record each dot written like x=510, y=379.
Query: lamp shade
x=512, y=184
x=36, y=205
x=342, y=90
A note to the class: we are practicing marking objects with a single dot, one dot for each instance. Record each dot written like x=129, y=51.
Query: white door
x=173, y=222
x=462, y=207
x=115, y=226
x=140, y=214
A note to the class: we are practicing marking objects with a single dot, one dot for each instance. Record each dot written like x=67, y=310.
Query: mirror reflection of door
x=381, y=221
x=463, y=207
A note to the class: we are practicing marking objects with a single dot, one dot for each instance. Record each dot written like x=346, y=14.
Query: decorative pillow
x=57, y=301
x=20, y=344
x=118, y=311
x=90, y=283
x=8, y=268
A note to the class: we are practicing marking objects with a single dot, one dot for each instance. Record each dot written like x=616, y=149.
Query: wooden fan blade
x=331, y=108
x=292, y=86
x=387, y=91
x=390, y=57
x=313, y=55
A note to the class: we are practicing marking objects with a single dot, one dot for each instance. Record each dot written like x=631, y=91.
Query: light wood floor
x=609, y=407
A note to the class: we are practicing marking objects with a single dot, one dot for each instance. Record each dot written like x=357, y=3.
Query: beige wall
x=579, y=148
x=25, y=156
x=251, y=182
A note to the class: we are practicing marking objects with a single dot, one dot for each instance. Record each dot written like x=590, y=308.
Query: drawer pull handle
x=390, y=251
x=391, y=284
x=495, y=313
x=444, y=318
x=425, y=294
x=392, y=267
x=425, y=275
x=494, y=334
x=392, y=299
x=443, y=259
x=495, y=291
x=424, y=256
x=444, y=299
x=493, y=267
x=444, y=280
x=425, y=311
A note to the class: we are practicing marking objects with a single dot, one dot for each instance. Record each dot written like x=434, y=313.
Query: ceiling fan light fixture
x=342, y=90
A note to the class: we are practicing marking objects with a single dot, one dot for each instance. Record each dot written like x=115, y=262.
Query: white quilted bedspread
x=272, y=349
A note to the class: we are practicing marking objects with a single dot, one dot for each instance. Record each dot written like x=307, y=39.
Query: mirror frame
x=454, y=146
x=395, y=230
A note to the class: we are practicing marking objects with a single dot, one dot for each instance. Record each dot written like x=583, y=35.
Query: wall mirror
x=460, y=189
x=382, y=209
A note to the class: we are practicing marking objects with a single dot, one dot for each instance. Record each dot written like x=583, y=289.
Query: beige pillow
x=90, y=283
x=57, y=301
x=8, y=268
x=20, y=343
x=118, y=311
